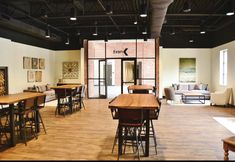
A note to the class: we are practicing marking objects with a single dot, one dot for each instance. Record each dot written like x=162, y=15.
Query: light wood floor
x=183, y=133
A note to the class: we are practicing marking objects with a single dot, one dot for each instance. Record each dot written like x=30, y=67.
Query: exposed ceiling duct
x=159, y=9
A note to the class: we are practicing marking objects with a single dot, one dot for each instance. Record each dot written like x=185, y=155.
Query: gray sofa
x=192, y=87
x=50, y=93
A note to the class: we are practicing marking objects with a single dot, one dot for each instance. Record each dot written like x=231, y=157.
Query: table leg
x=70, y=104
x=147, y=134
x=226, y=152
x=12, y=126
x=120, y=141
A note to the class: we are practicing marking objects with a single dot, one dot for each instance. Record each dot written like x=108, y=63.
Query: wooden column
x=157, y=65
x=85, y=45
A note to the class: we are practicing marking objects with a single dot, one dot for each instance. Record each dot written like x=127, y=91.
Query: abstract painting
x=187, y=70
x=27, y=62
x=38, y=76
x=35, y=63
x=41, y=63
x=70, y=70
x=31, y=76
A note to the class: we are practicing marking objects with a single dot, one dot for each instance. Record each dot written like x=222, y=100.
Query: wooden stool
x=229, y=144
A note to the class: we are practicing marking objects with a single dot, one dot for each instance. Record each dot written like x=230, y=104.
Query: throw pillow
x=175, y=86
x=196, y=87
x=203, y=86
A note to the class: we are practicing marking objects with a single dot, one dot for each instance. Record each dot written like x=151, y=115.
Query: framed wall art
x=41, y=63
x=27, y=62
x=30, y=76
x=70, y=70
x=187, y=70
x=35, y=63
x=38, y=76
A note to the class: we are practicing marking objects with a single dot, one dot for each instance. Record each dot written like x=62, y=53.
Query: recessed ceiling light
x=186, y=7
x=230, y=13
x=144, y=32
x=135, y=22
x=191, y=40
x=202, y=32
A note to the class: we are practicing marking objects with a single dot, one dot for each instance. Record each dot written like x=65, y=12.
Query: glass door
x=102, y=79
x=128, y=74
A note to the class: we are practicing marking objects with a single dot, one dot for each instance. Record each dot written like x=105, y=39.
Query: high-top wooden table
x=69, y=88
x=11, y=100
x=140, y=88
x=146, y=102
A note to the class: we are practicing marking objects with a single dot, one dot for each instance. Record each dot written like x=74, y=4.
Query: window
x=223, y=67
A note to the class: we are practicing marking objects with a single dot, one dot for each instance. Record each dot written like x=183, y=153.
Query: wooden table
x=135, y=101
x=11, y=100
x=68, y=87
x=228, y=144
x=140, y=88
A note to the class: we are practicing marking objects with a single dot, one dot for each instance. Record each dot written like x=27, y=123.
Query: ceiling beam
x=110, y=17
x=195, y=15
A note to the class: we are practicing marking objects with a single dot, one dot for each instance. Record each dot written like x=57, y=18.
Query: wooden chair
x=228, y=144
x=4, y=125
x=131, y=122
x=41, y=104
x=26, y=118
x=62, y=101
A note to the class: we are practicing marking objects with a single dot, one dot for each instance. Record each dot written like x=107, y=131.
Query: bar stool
x=228, y=144
x=26, y=117
x=40, y=104
x=4, y=125
x=131, y=122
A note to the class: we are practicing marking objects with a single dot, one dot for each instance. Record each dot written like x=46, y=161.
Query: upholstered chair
x=221, y=97
x=169, y=93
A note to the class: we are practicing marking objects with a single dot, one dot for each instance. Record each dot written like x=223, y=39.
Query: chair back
x=41, y=101
x=141, y=91
x=83, y=91
x=169, y=93
x=61, y=93
x=131, y=117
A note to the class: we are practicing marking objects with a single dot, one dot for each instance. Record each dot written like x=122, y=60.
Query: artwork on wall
x=187, y=70
x=38, y=76
x=3, y=81
x=31, y=76
x=41, y=63
x=27, y=62
x=70, y=70
x=35, y=63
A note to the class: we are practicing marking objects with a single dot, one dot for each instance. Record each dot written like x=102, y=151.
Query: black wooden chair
x=4, y=125
x=62, y=101
x=26, y=118
x=41, y=104
x=131, y=122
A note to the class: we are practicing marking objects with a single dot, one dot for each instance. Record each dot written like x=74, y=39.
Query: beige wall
x=169, y=65
x=12, y=54
x=231, y=67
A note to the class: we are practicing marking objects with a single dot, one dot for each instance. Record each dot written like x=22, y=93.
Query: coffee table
x=193, y=96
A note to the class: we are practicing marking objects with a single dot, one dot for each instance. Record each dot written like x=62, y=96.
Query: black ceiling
x=26, y=21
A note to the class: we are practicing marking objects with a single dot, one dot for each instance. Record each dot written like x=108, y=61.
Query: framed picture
x=35, y=63
x=38, y=76
x=41, y=63
x=187, y=70
x=70, y=70
x=31, y=76
x=27, y=62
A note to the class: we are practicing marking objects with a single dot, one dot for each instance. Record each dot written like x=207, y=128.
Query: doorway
x=128, y=74
x=102, y=79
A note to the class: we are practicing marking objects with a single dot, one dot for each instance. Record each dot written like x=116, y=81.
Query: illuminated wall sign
x=121, y=51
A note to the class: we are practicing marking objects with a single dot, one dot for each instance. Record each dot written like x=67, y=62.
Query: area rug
x=227, y=122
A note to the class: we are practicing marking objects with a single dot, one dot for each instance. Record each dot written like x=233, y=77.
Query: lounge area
x=117, y=80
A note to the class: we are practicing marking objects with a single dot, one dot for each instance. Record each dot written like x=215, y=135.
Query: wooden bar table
x=11, y=100
x=145, y=102
x=140, y=88
x=69, y=88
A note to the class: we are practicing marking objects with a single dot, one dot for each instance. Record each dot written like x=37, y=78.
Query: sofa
x=181, y=88
x=50, y=93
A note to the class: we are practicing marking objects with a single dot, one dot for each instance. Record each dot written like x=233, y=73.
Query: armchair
x=221, y=97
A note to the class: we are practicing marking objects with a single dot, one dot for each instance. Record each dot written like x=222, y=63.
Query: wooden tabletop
x=140, y=87
x=230, y=140
x=135, y=101
x=13, y=98
x=70, y=86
